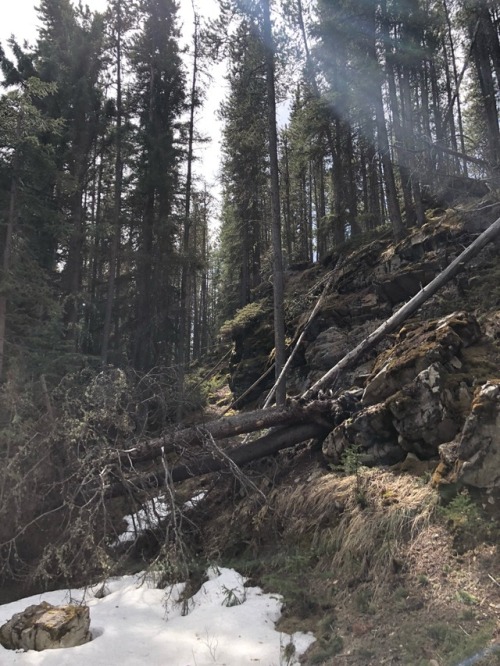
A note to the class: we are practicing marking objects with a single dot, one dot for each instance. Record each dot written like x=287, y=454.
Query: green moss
x=244, y=318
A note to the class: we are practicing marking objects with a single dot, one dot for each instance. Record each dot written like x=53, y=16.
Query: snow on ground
x=150, y=515
x=136, y=624
x=137, y=523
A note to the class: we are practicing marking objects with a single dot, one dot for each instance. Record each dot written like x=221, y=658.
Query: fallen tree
x=307, y=409
x=217, y=459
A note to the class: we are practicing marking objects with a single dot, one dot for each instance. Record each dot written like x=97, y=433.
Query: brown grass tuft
x=357, y=524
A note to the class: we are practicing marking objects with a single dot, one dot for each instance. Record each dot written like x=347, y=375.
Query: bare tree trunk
x=278, y=285
x=456, y=81
x=287, y=207
x=115, y=241
x=7, y=250
x=183, y=339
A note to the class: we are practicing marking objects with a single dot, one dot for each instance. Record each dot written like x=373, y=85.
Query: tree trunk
x=278, y=286
x=183, y=345
x=115, y=240
x=7, y=250
x=216, y=461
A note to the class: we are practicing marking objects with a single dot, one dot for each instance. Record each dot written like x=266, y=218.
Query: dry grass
x=367, y=561
x=356, y=524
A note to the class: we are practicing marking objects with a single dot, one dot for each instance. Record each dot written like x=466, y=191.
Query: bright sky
x=19, y=18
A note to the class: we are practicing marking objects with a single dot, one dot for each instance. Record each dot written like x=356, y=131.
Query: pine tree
x=244, y=233
x=159, y=99
x=68, y=53
x=23, y=167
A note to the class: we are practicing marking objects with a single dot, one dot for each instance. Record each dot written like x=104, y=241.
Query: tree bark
x=278, y=284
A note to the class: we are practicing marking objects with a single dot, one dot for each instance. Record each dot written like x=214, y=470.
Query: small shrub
x=350, y=465
x=467, y=598
x=461, y=512
x=288, y=651
x=233, y=597
x=363, y=600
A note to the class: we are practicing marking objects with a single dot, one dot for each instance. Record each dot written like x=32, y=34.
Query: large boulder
x=328, y=348
x=370, y=433
x=421, y=414
x=46, y=627
x=417, y=347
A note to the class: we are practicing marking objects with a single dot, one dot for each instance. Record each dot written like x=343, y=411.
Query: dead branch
x=299, y=340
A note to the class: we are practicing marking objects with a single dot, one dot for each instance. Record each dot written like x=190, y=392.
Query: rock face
x=47, y=627
x=420, y=401
x=474, y=457
x=413, y=400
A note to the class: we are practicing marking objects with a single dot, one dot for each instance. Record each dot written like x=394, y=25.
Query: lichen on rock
x=47, y=627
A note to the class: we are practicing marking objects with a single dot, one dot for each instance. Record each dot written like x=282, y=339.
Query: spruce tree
x=159, y=99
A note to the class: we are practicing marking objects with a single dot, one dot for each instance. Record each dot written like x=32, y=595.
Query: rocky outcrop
x=420, y=400
x=46, y=627
x=369, y=280
x=473, y=458
x=419, y=385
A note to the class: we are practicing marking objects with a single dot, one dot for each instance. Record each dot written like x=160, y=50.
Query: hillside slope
x=383, y=538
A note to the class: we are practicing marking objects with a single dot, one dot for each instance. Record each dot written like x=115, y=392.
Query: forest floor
x=380, y=565
x=375, y=563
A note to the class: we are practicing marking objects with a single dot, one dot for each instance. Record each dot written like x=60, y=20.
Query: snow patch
x=135, y=624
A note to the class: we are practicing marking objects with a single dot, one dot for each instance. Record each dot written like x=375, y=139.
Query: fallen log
x=230, y=426
x=267, y=445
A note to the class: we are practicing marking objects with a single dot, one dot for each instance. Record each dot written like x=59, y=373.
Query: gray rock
x=370, y=433
x=328, y=348
x=420, y=414
x=478, y=448
x=46, y=627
